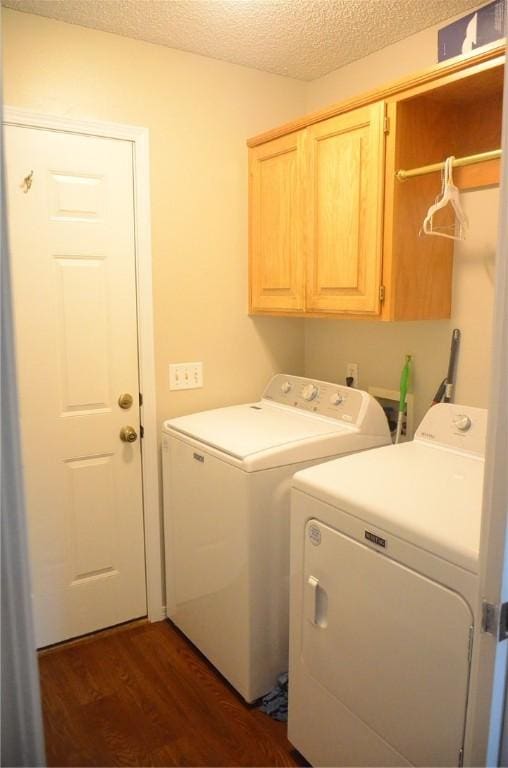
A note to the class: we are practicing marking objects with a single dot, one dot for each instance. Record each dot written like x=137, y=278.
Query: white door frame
x=490, y=686
x=139, y=137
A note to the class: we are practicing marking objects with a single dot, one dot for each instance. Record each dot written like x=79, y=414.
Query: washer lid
x=425, y=494
x=243, y=430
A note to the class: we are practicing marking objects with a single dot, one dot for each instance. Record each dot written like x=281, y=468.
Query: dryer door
x=388, y=643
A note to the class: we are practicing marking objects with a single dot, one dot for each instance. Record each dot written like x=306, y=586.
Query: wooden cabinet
x=276, y=224
x=460, y=115
x=333, y=231
x=315, y=217
x=343, y=212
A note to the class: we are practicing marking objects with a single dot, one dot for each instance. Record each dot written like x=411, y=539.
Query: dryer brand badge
x=375, y=539
x=315, y=535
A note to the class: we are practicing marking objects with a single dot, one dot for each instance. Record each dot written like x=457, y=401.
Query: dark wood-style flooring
x=144, y=696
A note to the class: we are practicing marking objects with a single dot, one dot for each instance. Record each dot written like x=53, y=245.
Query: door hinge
x=386, y=127
x=495, y=620
x=461, y=758
x=503, y=622
x=141, y=398
x=382, y=293
x=141, y=431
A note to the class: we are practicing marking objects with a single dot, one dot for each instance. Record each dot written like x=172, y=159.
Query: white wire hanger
x=449, y=196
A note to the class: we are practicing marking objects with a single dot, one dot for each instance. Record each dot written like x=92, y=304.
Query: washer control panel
x=455, y=426
x=320, y=397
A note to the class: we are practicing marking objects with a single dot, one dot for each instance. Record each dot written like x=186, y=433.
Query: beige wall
x=199, y=112
x=380, y=348
x=394, y=62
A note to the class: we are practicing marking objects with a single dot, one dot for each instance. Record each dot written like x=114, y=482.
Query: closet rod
x=494, y=154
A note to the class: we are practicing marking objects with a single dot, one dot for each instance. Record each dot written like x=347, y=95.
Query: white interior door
x=73, y=262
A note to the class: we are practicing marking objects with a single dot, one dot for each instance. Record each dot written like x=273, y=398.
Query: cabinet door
x=276, y=226
x=345, y=188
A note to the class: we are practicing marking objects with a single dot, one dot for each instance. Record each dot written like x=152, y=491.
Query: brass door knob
x=128, y=434
x=125, y=400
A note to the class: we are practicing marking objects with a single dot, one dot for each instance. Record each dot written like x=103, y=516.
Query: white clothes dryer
x=227, y=479
x=384, y=579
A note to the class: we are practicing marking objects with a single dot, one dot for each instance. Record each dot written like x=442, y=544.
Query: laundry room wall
x=379, y=348
x=200, y=112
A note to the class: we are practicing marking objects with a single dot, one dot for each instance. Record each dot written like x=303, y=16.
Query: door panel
x=276, y=226
x=389, y=644
x=345, y=192
x=73, y=260
x=76, y=197
x=83, y=334
x=92, y=516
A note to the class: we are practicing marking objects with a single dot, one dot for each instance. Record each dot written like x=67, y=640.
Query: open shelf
x=461, y=118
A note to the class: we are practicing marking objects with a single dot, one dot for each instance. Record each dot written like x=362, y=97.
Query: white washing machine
x=227, y=480
x=384, y=579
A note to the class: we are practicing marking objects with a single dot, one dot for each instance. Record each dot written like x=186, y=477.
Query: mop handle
x=450, y=378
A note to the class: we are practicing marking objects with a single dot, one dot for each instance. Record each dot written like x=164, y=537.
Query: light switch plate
x=185, y=375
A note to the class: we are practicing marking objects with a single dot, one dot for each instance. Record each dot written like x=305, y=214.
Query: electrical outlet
x=185, y=375
x=352, y=373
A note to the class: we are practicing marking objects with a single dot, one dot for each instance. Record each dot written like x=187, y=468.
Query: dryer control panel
x=320, y=397
x=455, y=426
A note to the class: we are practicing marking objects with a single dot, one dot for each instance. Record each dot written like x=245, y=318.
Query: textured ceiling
x=304, y=39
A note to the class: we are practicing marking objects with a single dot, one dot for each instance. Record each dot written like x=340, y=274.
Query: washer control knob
x=309, y=392
x=337, y=398
x=462, y=422
x=286, y=387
